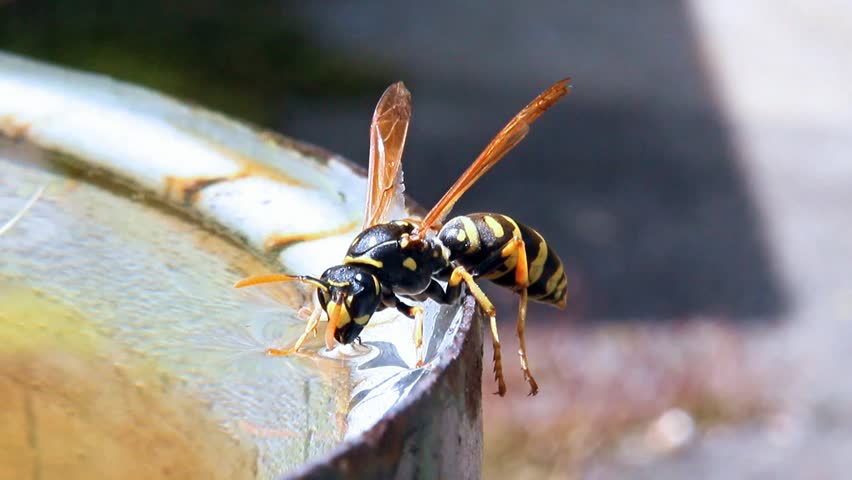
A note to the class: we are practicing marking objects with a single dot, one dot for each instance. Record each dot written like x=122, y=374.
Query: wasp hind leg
x=461, y=274
x=516, y=246
x=313, y=323
x=522, y=282
x=522, y=351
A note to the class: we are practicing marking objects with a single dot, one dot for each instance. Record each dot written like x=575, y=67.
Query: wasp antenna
x=314, y=281
x=280, y=277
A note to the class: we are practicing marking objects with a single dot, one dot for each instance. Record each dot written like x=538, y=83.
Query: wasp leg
x=418, y=333
x=522, y=282
x=517, y=247
x=313, y=323
x=414, y=312
x=305, y=313
x=461, y=274
x=490, y=266
x=417, y=311
x=437, y=293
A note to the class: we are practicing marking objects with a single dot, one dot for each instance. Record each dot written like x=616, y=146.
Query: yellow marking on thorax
x=554, y=280
x=364, y=259
x=537, y=265
x=461, y=236
x=337, y=284
x=472, y=234
x=494, y=226
x=410, y=264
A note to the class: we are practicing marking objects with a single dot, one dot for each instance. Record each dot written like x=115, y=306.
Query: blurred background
x=696, y=184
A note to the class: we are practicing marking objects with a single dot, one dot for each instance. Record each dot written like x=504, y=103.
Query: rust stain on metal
x=248, y=165
x=265, y=432
x=251, y=167
x=185, y=190
x=276, y=242
x=341, y=421
x=14, y=129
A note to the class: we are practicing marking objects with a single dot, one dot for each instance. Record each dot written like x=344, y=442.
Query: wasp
x=396, y=261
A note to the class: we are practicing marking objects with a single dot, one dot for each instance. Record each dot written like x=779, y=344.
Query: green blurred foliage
x=242, y=58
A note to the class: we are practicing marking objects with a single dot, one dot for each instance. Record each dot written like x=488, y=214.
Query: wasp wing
x=387, y=140
x=508, y=138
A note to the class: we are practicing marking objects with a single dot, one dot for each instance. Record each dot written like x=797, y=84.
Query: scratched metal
x=297, y=207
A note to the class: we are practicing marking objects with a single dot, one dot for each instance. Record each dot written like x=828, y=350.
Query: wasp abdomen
x=478, y=242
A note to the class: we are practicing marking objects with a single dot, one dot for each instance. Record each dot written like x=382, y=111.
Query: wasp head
x=350, y=299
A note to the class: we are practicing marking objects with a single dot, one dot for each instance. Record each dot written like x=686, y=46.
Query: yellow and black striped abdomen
x=478, y=240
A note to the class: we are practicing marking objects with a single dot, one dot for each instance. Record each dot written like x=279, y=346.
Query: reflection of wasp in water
x=406, y=259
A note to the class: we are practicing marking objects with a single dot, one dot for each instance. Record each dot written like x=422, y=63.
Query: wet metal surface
x=434, y=433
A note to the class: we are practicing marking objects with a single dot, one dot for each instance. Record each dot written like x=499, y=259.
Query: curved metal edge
x=226, y=173
x=436, y=432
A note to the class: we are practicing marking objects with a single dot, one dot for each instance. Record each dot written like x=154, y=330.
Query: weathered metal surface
x=230, y=175
x=296, y=204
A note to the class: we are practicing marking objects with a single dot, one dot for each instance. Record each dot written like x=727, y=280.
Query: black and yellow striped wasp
x=393, y=262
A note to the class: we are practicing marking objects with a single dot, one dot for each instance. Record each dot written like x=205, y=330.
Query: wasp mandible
x=392, y=260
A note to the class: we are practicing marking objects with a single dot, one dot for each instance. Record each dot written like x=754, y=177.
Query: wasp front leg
x=414, y=312
x=313, y=323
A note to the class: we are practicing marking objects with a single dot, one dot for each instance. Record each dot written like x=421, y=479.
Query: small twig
x=12, y=221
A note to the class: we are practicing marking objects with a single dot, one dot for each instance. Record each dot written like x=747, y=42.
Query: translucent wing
x=506, y=140
x=387, y=140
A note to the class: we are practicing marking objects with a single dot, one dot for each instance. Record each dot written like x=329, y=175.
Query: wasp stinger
x=392, y=260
